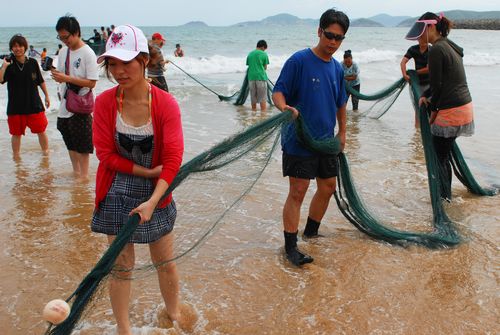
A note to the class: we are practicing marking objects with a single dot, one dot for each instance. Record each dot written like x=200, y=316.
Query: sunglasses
x=333, y=36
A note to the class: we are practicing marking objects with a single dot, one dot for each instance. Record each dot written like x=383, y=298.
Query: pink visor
x=418, y=29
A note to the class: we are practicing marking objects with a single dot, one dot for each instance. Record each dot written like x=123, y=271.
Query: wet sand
x=238, y=280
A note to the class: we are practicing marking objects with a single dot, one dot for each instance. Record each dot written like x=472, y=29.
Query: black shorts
x=311, y=167
x=160, y=82
x=77, y=132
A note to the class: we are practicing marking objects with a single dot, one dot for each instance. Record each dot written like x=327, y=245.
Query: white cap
x=125, y=43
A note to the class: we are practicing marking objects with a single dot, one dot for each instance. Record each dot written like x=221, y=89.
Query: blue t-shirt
x=316, y=88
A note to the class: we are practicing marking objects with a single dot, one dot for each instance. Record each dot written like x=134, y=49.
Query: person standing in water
x=351, y=77
x=24, y=107
x=257, y=62
x=419, y=53
x=448, y=97
x=178, y=52
x=156, y=65
x=76, y=68
x=312, y=83
x=139, y=143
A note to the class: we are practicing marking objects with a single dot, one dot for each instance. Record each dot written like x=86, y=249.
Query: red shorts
x=36, y=122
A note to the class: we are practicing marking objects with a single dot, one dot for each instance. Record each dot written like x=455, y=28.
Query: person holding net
x=351, y=77
x=448, y=97
x=420, y=53
x=139, y=143
x=312, y=83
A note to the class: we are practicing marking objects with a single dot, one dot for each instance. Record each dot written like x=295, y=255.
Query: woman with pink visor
x=448, y=97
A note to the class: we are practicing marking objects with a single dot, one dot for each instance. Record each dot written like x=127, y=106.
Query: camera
x=47, y=64
x=8, y=57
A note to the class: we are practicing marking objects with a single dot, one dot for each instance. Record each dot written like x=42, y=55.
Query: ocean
x=238, y=281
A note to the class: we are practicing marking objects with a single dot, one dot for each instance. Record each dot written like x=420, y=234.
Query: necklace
x=21, y=68
x=120, y=105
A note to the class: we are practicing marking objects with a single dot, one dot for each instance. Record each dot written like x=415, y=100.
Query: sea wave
x=222, y=64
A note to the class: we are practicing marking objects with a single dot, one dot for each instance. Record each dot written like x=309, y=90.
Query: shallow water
x=238, y=280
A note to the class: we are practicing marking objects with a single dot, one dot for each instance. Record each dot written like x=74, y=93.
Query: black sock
x=292, y=252
x=311, y=228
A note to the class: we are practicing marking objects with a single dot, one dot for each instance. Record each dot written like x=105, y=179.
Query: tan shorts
x=258, y=91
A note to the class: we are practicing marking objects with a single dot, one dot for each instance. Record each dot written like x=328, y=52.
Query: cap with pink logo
x=125, y=43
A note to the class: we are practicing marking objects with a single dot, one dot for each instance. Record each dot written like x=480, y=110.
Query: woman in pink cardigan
x=139, y=143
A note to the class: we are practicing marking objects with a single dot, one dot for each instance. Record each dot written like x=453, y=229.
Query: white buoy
x=56, y=311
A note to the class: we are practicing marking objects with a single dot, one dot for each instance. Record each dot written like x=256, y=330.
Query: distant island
x=366, y=23
x=195, y=24
x=462, y=19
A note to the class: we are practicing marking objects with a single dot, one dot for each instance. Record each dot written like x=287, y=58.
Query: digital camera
x=8, y=57
x=47, y=64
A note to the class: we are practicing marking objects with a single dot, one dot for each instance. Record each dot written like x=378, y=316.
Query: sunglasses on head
x=333, y=36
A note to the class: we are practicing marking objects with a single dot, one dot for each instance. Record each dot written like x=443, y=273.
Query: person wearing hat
x=139, y=143
x=448, y=97
x=156, y=66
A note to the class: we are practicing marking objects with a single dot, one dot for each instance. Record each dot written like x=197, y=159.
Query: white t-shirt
x=82, y=64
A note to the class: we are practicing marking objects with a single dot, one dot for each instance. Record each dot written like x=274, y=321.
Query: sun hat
x=418, y=29
x=125, y=43
x=158, y=36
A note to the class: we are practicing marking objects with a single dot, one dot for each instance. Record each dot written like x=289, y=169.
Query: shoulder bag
x=78, y=104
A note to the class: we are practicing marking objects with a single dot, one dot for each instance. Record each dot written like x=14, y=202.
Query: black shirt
x=420, y=62
x=22, y=86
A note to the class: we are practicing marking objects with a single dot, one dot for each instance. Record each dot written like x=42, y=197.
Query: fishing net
x=384, y=99
x=444, y=232
x=239, y=97
x=224, y=174
x=221, y=176
x=460, y=168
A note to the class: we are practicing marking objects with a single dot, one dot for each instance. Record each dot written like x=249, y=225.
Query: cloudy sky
x=212, y=12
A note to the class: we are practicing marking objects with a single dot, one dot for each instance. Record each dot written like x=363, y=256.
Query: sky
x=212, y=12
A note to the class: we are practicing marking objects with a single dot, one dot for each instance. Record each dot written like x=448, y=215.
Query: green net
x=239, y=97
x=444, y=233
x=460, y=168
x=465, y=176
x=354, y=209
x=242, y=94
x=239, y=161
x=384, y=99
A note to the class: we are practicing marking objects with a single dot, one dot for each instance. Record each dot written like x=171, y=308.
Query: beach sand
x=238, y=280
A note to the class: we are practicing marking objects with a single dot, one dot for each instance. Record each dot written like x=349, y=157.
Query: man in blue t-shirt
x=312, y=83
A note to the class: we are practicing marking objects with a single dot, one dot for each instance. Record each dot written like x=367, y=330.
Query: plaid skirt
x=126, y=193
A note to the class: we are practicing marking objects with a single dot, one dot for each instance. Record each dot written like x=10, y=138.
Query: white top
x=82, y=64
x=124, y=128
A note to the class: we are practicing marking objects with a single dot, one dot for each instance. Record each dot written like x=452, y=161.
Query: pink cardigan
x=168, y=140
